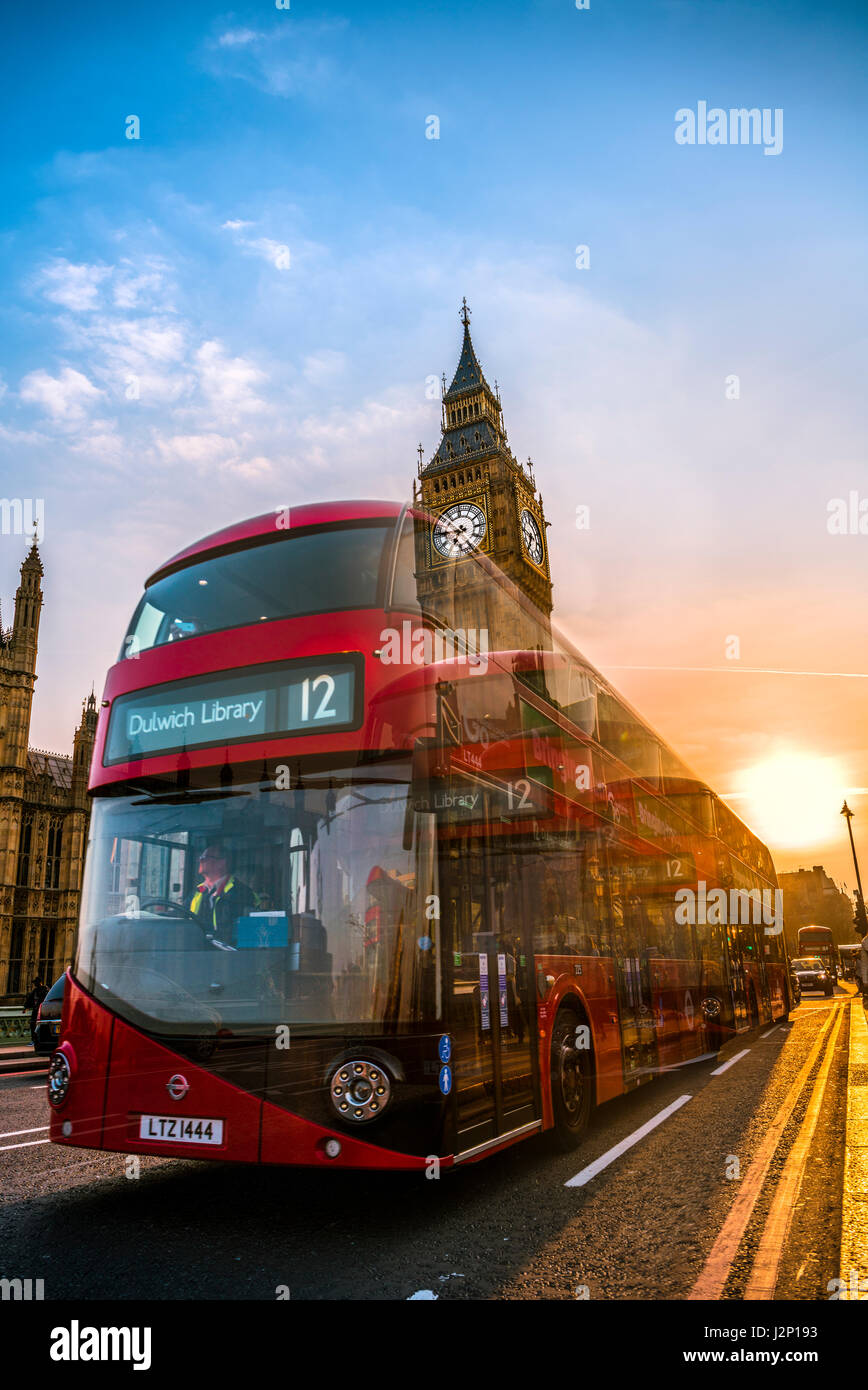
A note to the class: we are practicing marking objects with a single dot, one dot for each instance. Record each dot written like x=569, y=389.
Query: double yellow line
x=761, y=1285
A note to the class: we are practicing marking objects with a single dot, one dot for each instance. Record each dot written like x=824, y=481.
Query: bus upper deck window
x=405, y=593
x=143, y=629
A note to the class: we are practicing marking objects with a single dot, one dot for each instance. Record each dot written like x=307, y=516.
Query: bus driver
x=220, y=897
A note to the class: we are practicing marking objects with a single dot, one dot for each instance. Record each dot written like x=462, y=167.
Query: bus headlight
x=59, y=1077
x=359, y=1090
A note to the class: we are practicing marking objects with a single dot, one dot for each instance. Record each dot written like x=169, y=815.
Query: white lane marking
x=11, y=1133
x=770, y=1031
x=605, y=1159
x=691, y=1062
x=29, y=1145
x=718, y=1071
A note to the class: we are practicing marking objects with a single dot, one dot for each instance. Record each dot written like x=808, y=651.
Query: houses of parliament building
x=43, y=812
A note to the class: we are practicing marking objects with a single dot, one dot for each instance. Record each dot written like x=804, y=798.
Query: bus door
x=634, y=946
x=490, y=1019
x=738, y=978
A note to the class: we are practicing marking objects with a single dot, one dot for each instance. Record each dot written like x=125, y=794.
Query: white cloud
x=324, y=366
x=153, y=349
x=101, y=442
x=210, y=452
x=22, y=436
x=262, y=60
x=275, y=252
x=130, y=286
x=76, y=287
x=228, y=383
x=66, y=398
x=258, y=467
x=200, y=450
x=236, y=38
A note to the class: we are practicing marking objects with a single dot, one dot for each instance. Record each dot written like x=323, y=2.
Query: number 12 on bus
x=339, y=911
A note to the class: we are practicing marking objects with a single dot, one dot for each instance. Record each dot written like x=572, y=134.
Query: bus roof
x=291, y=519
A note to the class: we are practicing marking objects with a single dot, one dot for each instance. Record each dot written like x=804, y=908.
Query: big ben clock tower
x=480, y=498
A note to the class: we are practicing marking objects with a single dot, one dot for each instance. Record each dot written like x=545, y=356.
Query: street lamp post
x=861, y=915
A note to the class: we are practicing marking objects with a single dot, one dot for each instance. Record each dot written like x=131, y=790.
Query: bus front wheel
x=571, y=1079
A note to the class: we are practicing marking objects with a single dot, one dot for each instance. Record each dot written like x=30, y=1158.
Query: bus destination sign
x=234, y=706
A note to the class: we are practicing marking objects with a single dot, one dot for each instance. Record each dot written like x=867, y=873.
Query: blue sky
x=274, y=269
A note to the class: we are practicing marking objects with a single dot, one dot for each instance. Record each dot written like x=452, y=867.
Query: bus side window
x=405, y=592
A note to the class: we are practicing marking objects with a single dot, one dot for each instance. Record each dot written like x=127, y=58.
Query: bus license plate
x=177, y=1129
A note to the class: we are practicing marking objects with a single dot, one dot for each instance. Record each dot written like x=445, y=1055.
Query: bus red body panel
x=119, y=1074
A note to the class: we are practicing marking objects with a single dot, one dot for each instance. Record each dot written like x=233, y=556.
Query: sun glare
x=793, y=799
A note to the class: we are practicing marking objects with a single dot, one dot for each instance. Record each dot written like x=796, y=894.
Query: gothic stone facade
x=43, y=813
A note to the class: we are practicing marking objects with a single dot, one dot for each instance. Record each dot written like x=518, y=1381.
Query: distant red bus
x=819, y=941
x=362, y=899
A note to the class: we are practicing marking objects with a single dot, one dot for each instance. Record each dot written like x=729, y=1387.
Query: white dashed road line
x=605, y=1159
x=13, y=1133
x=718, y=1071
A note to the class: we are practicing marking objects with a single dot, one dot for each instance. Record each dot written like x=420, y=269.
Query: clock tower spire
x=481, y=498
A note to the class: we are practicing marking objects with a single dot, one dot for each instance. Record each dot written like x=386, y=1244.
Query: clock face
x=530, y=534
x=459, y=530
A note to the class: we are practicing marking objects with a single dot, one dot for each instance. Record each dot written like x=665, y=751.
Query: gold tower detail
x=44, y=812
x=481, y=499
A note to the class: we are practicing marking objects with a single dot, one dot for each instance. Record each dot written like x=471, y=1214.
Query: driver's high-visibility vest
x=202, y=892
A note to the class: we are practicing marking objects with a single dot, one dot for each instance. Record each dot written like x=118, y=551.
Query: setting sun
x=792, y=799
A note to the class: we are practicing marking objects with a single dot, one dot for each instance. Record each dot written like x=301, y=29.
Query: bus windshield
x=244, y=909
x=330, y=569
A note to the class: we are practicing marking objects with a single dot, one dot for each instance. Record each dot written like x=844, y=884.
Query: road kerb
x=854, y=1215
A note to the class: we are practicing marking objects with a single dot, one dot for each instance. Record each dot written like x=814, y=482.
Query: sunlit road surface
x=723, y=1180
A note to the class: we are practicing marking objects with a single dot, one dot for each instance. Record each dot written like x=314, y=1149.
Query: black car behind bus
x=47, y=1033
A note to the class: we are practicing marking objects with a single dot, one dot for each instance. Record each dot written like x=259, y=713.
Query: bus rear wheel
x=571, y=1080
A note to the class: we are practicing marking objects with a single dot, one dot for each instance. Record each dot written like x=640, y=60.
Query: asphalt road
x=507, y=1228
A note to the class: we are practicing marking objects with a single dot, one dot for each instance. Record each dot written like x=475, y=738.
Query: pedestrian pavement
x=19, y=1058
x=854, y=1214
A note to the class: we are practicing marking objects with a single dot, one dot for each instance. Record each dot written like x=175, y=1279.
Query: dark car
x=47, y=1032
x=811, y=973
x=795, y=985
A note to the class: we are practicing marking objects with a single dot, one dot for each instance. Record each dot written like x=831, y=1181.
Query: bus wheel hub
x=360, y=1090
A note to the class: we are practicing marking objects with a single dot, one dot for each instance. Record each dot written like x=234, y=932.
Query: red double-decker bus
x=361, y=892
